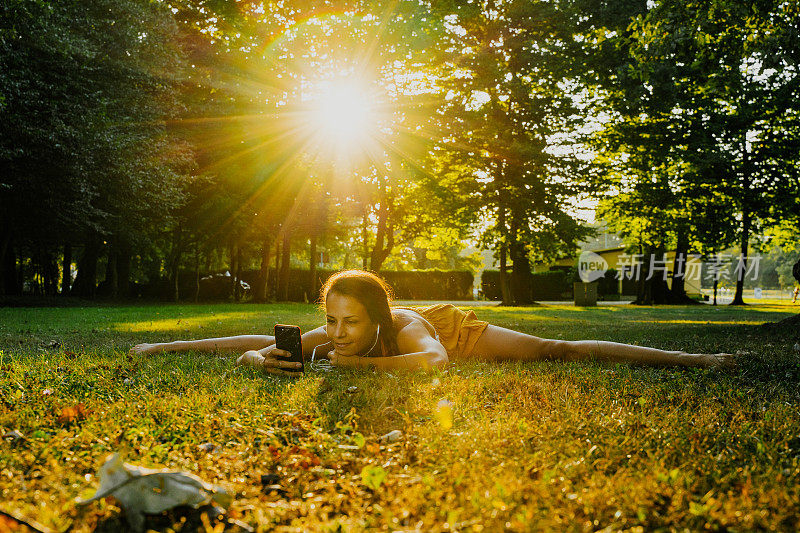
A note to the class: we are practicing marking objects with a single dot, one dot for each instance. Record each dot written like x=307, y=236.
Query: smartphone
x=288, y=338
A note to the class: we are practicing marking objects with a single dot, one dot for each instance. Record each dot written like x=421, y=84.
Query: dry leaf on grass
x=69, y=415
x=10, y=523
x=143, y=491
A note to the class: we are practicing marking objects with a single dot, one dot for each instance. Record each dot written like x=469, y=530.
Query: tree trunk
x=716, y=284
x=238, y=291
x=277, y=264
x=384, y=235
x=263, y=287
x=176, y=288
x=364, y=239
x=196, y=272
x=312, y=268
x=642, y=290
x=742, y=266
x=503, y=278
x=10, y=271
x=5, y=241
x=232, y=270
x=66, y=270
x=85, y=284
x=653, y=291
x=505, y=294
x=286, y=255
x=177, y=253
x=21, y=276
x=123, y=254
x=746, y=220
x=112, y=279
x=677, y=292
x=521, y=276
x=50, y=273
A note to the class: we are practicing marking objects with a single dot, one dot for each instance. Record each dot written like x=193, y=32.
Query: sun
x=343, y=115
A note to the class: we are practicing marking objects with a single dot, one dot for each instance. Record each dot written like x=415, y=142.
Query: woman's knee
x=536, y=348
x=556, y=349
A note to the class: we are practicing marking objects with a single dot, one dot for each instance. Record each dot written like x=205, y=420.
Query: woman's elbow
x=439, y=360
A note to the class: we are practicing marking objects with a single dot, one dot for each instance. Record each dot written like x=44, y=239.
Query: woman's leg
x=498, y=343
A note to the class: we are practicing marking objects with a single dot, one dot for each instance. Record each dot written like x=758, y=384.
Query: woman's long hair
x=374, y=294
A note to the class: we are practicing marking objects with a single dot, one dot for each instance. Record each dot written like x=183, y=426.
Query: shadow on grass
x=181, y=518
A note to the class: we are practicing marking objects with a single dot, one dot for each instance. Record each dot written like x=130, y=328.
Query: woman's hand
x=269, y=361
x=351, y=361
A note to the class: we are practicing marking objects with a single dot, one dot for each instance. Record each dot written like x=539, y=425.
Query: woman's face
x=349, y=325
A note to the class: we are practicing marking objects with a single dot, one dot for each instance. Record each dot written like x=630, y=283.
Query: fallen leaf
x=270, y=479
x=143, y=491
x=10, y=523
x=444, y=414
x=69, y=415
x=372, y=476
x=324, y=386
x=13, y=435
x=392, y=436
x=280, y=491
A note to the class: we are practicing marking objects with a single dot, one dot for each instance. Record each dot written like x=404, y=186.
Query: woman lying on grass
x=364, y=331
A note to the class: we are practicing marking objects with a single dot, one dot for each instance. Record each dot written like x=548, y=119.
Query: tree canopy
x=147, y=143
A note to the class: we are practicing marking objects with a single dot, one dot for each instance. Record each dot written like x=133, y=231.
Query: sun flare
x=344, y=115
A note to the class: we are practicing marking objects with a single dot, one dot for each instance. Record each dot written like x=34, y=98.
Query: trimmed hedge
x=553, y=284
x=406, y=285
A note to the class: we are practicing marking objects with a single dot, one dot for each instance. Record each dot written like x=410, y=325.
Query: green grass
x=535, y=446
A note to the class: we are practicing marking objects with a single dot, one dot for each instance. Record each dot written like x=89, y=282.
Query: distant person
x=364, y=331
x=794, y=294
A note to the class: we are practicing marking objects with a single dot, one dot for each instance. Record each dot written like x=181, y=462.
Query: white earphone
x=377, y=338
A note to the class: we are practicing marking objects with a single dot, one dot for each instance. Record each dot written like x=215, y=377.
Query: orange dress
x=457, y=330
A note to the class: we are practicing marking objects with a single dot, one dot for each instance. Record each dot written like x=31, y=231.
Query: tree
x=507, y=120
x=82, y=103
x=705, y=91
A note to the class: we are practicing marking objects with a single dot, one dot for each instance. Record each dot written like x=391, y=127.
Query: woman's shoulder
x=404, y=317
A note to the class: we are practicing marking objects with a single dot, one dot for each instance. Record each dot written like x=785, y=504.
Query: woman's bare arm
x=422, y=352
x=311, y=339
x=266, y=359
x=235, y=343
x=409, y=361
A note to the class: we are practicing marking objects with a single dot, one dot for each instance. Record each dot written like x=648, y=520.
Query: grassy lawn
x=535, y=446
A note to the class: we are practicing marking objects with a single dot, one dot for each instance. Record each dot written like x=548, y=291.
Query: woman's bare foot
x=721, y=360
x=144, y=348
x=708, y=360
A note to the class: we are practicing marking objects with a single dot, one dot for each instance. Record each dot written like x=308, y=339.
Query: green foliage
x=695, y=150
x=508, y=122
x=82, y=143
x=163, y=138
